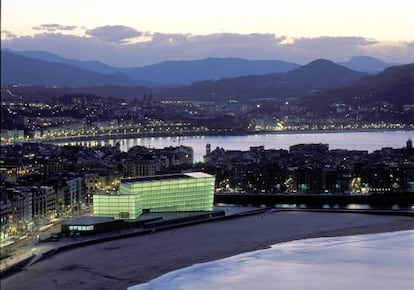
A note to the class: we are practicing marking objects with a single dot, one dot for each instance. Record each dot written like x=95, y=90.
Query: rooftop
x=88, y=220
x=166, y=177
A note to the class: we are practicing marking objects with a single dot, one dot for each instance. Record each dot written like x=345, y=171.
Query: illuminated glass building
x=163, y=193
x=123, y=206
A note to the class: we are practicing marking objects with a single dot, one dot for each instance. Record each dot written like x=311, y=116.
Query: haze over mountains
x=44, y=68
x=367, y=64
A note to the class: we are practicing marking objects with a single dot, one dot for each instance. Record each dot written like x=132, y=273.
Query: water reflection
x=351, y=206
x=358, y=206
x=343, y=140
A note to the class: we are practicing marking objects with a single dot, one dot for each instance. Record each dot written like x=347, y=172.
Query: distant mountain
x=323, y=73
x=366, y=64
x=186, y=72
x=174, y=72
x=300, y=82
x=315, y=76
x=394, y=85
x=16, y=69
x=95, y=66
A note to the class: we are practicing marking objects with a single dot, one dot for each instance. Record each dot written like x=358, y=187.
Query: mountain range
x=36, y=69
x=311, y=78
x=317, y=83
x=17, y=69
x=367, y=64
x=161, y=74
x=394, y=85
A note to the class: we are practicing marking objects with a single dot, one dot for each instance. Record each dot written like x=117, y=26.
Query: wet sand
x=123, y=263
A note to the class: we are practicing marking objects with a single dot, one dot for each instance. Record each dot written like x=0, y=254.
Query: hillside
x=173, y=72
x=322, y=73
x=315, y=76
x=187, y=72
x=366, y=64
x=319, y=83
x=394, y=85
x=16, y=69
x=92, y=65
x=304, y=81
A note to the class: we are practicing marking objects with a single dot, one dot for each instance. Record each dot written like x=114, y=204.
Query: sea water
x=350, y=140
x=374, y=261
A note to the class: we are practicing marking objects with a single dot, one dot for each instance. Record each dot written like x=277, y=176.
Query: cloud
x=114, y=45
x=399, y=52
x=54, y=27
x=238, y=39
x=160, y=38
x=189, y=46
x=66, y=45
x=345, y=41
x=116, y=34
x=5, y=34
x=335, y=48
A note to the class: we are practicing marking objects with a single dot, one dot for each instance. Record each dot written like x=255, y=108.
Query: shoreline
x=194, y=134
x=123, y=263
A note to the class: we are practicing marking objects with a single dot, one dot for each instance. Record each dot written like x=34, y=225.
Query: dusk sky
x=133, y=33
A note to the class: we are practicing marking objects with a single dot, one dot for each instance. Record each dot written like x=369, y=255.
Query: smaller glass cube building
x=162, y=193
x=124, y=206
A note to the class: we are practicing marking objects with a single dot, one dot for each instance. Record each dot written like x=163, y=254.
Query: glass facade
x=165, y=193
x=125, y=206
x=81, y=228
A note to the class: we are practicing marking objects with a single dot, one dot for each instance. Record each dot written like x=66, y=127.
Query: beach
x=123, y=263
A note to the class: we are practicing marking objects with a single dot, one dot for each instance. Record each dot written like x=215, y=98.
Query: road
x=25, y=247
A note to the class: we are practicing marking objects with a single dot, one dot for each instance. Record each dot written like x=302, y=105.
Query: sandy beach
x=122, y=263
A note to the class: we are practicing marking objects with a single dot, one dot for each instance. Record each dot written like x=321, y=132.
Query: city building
x=43, y=204
x=141, y=167
x=21, y=215
x=5, y=215
x=86, y=225
x=99, y=180
x=160, y=193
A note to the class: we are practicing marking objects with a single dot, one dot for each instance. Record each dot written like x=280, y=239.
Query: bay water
x=351, y=140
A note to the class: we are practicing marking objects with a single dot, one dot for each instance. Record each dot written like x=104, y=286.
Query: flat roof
x=88, y=221
x=198, y=174
x=166, y=177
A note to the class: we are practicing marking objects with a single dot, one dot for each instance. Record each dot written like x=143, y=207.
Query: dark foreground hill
x=394, y=85
x=315, y=76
